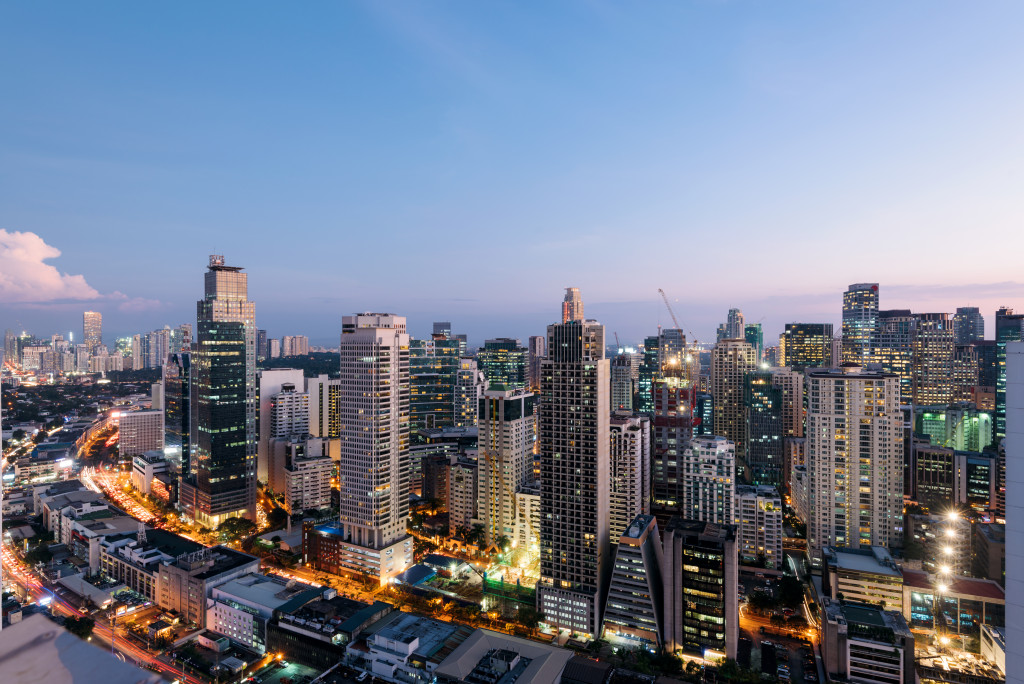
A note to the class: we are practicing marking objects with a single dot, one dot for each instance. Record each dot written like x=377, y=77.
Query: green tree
x=791, y=591
x=80, y=626
x=529, y=617
x=40, y=554
x=236, y=528
x=277, y=517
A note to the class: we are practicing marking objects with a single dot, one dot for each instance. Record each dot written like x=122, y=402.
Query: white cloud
x=26, y=278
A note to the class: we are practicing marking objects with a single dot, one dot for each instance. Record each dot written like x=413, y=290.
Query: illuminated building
x=177, y=380
x=306, y=480
x=271, y=383
x=636, y=600
x=754, y=336
x=704, y=414
x=966, y=372
x=92, y=330
x=503, y=362
x=262, y=346
x=537, y=350
x=631, y=470
x=895, y=348
x=764, y=412
x=572, y=305
x=139, y=432
x=806, y=345
x=854, y=453
x=968, y=325
x=861, y=643
x=374, y=465
x=731, y=360
x=469, y=384
x=433, y=367
x=1008, y=329
x=933, y=359
x=1013, y=397
x=649, y=369
x=324, y=409
x=671, y=430
x=622, y=382
x=709, y=480
x=759, y=525
x=463, y=496
x=860, y=322
x=791, y=383
x=957, y=426
x=505, y=438
x=575, y=477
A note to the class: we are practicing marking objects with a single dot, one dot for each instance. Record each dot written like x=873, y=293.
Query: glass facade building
x=504, y=362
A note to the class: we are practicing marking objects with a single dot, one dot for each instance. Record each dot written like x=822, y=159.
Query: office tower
x=469, y=384
x=754, y=336
x=223, y=401
x=275, y=348
x=933, y=359
x=433, y=366
x=957, y=426
x=966, y=372
x=1008, y=329
x=177, y=381
x=860, y=322
x=1013, y=387
x=442, y=329
x=671, y=430
x=536, y=350
x=294, y=345
x=704, y=414
x=988, y=363
x=324, y=407
x=895, y=348
x=701, y=576
x=262, y=346
x=671, y=347
x=572, y=305
x=505, y=460
x=503, y=362
x=270, y=382
x=139, y=432
x=806, y=345
x=968, y=325
x=731, y=360
x=92, y=330
x=630, y=470
x=622, y=383
x=649, y=369
x=854, y=459
x=575, y=477
x=636, y=600
x=759, y=525
x=791, y=383
x=709, y=477
x=763, y=402
x=374, y=466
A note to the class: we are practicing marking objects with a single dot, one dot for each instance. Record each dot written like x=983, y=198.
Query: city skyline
x=596, y=134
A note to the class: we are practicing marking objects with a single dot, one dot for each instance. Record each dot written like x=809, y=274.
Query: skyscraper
x=374, y=468
x=469, y=384
x=92, y=330
x=854, y=459
x=933, y=359
x=731, y=360
x=223, y=483
x=177, y=380
x=622, y=384
x=754, y=336
x=575, y=477
x=968, y=325
x=572, y=305
x=1008, y=329
x=671, y=430
x=763, y=402
x=806, y=345
x=503, y=362
x=860, y=322
x=631, y=470
x=734, y=328
x=895, y=348
x=505, y=461
x=709, y=474
x=537, y=350
x=649, y=369
x=262, y=346
x=433, y=367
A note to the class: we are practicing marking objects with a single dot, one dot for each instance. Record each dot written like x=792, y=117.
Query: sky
x=467, y=161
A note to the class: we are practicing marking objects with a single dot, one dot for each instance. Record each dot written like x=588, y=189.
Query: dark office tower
x=575, y=477
x=92, y=329
x=10, y=347
x=177, y=374
x=503, y=362
x=933, y=359
x=754, y=336
x=433, y=367
x=223, y=404
x=763, y=401
x=988, y=363
x=537, y=350
x=1008, y=329
x=968, y=325
x=443, y=328
x=895, y=347
x=806, y=345
x=860, y=322
x=704, y=415
x=671, y=430
x=262, y=346
x=649, y=369
x=965, y=372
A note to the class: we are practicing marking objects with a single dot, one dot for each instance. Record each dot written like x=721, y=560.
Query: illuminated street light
x=945, y=569
x=943, y=588
x=948, y=550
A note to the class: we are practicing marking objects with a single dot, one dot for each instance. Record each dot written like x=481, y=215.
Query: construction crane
x=618, y=347
x=669, y=307
x=686, y=360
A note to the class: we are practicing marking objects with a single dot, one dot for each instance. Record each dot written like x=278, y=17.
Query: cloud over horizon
x=26, y=278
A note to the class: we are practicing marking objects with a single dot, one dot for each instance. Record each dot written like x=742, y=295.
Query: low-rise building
x=993, y=646
x=146, y=467
x=406, y=648
x=317, y=634
x=325, y=548
x=862, y=643
x=863, y=575
x=488, y=656
x=988, y=552
x=241, y=608
x=965, y=603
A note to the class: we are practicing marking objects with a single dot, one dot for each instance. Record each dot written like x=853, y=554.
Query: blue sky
x=467, y=161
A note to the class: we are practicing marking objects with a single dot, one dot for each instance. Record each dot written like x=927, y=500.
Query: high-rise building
x=433, y=367
x=860, y=322
x=759, y=525
x=262, y=346
x=275, y=348
x=442, y=329
x=731, y=360
x=734, y=326
x=966, y=372
x=649, y=369
x=374, y=466
x=806, y=345
x=754, y=336
x=968, y=325
x=223, y=401
x=469, y=384
x=701, y=576
x=631, y=470
x=1013, y=397
x=933, y=359
x=270, y=382
x=139, y=432
x=636, y=600
x=294, y=345
x=791, y=383
x=92, y=330
x=306, y=474
x=325, y=410
x=1008, y=329
x=854, y=459
x=575, y=477
x=177, y=381
x=158, y=348
x=622, y=383
x=671, y=430
x=181, y=338
x=536, y=350
x=764, y=406
x=709, y=476
x=463, y=495
x=503, y=362
x=895, y=348
x=572, y=305
x=505, y=462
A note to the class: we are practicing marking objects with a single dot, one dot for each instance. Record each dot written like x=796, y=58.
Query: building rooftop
x=436, y=639
x=545, y=665
x=877, y=561
x=961, y=586
x=269, y=591
x=637, y=527
x=704, y=530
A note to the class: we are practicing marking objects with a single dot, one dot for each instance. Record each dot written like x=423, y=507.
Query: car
x=810, y=676
x=362, y=677
x=788, y=612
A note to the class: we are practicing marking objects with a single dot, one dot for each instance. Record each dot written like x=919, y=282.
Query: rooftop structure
x=488, y=656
